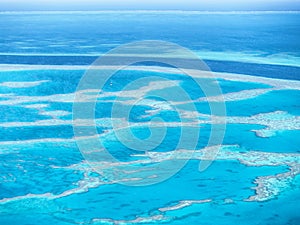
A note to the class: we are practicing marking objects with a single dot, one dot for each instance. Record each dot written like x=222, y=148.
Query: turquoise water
x=45, y=178
x=276, y=100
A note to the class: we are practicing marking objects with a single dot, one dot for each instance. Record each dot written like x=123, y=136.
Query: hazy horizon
x=164, y=5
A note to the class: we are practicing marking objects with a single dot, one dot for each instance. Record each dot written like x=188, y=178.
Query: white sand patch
x=23, y=84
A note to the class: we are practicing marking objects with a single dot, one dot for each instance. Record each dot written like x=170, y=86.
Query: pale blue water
x=42, y=172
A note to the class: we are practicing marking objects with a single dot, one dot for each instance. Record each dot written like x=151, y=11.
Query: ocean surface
x=47, y=178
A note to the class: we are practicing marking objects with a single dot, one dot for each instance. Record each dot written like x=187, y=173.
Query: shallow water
x=254, y=178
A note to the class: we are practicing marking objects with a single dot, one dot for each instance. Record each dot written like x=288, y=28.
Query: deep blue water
x=87, y=32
